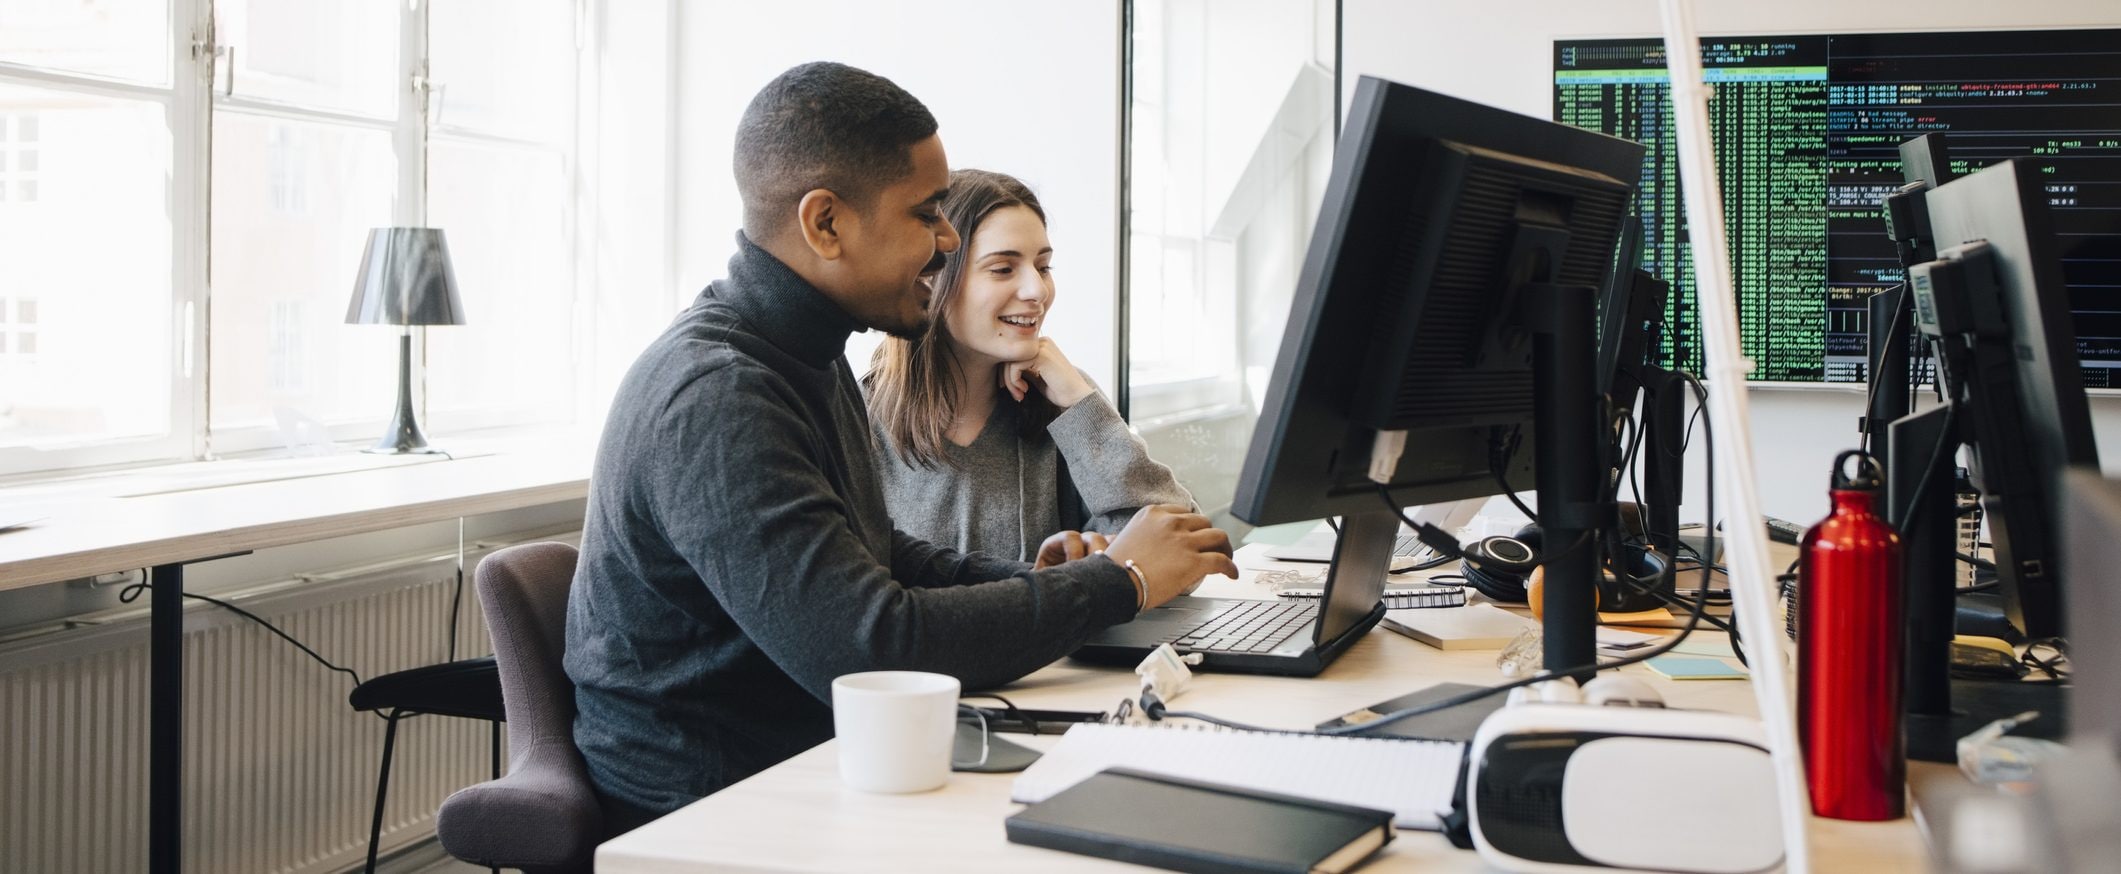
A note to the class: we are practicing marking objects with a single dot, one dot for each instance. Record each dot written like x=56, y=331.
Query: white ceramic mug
x=895, y=729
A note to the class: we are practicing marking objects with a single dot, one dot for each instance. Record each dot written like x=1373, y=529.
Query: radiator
x=279, y=773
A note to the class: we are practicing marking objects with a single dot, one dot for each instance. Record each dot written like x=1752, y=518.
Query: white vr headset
x=1573, y=787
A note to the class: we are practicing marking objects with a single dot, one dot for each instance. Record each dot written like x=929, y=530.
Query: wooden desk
x=797, y=817
x=166, y=531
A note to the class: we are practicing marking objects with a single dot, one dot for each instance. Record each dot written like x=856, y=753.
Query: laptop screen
x=1352, y=590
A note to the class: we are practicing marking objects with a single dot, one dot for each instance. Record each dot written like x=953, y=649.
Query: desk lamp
x=405, y=280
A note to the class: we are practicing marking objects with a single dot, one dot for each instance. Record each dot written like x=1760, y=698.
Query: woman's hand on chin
x=1049, y=374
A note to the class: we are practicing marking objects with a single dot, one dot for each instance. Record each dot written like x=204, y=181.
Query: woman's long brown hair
x=913, y=383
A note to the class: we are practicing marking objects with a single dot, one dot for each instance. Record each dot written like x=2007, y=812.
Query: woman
x=992, y=440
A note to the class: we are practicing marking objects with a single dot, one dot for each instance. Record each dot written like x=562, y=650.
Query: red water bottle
x=1849, y=634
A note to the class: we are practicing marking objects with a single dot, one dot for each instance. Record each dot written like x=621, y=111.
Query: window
x=86, y=259
x=499, y=171
x=315, y=121
x=1223, y=189
x=18, y=158
x=287, y=349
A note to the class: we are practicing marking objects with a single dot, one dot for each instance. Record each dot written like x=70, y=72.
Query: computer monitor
x=1995, y=310
x=2020, y=390
x=1454, y=239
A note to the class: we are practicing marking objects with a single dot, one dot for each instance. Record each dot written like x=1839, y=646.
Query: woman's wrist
x=1066, y=395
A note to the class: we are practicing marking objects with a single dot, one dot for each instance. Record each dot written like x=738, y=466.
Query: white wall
x=1504, y=59
x=1025, y=88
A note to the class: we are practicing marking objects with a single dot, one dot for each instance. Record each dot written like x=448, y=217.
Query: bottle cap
x=1867, y=478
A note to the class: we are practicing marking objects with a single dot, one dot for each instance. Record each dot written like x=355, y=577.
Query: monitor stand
x=1942, y=709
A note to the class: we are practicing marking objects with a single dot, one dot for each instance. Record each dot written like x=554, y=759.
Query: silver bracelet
x=1141, y=586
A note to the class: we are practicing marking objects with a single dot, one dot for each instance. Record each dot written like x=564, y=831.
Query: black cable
x=456, y=599
x=1708, y=435
x=1156, y=710
x=1922, y=486
x=1428, y=564
x=1511, y=493
x=1629, y=462
x=130, y=593
x=1981, y=563
x=2055, y=668
x=1500, y=451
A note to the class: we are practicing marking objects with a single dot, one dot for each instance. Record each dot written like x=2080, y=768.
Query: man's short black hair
x=824, y=125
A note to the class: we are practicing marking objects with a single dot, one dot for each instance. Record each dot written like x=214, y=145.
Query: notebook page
x=1413, y=779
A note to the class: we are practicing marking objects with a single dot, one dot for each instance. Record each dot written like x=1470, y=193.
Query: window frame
x=189, y=98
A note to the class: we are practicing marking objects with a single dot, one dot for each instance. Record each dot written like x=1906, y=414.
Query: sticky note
x=1692, y=668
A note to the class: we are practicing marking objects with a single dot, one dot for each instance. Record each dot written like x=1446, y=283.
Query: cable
x=456, y=595
x=131, y=593
x=1156, y=710
x=1944, y=442
x=1499, y=454
x=1428, y=564
x=1708, y=434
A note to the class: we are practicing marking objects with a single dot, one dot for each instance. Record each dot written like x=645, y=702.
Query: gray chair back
x=543, y=816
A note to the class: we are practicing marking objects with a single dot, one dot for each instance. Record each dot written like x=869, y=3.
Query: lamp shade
x=406, y=280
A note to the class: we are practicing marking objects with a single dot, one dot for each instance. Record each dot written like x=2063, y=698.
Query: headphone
x=1499, y=566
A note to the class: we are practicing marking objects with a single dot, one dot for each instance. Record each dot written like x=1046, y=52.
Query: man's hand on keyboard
x=1174, y=549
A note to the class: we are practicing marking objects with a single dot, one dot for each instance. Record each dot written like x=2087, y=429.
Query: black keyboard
x=1249, y=627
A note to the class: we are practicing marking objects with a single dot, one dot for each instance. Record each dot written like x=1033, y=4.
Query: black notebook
x=1187, y=825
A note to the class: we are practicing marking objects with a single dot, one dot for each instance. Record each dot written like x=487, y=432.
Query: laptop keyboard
x=1250, y=627
x=1406, y=546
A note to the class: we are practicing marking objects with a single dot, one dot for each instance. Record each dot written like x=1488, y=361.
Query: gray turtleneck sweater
x=737, y=556
x=1006, y=492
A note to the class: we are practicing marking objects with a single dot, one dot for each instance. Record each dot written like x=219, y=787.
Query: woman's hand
x=1067, y=546
x=1049, y=373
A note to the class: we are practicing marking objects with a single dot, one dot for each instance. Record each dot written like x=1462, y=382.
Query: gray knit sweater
x=1006, y=492
x=737, y=556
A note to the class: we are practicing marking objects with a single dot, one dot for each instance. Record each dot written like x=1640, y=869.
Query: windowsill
x=26, y=492
x=83, y=526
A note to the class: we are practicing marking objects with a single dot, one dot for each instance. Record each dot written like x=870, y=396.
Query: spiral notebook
x=1414, y=779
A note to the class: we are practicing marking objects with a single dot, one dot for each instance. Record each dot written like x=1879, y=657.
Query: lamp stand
x=403, y=436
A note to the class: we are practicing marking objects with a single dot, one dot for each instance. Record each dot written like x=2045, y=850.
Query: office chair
x=543, y=816
x=470, y=689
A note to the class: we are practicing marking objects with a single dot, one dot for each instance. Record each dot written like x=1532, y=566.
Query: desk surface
x=797, y=817
x=80, y=537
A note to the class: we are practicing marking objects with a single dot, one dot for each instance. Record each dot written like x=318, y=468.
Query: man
x=736, y=554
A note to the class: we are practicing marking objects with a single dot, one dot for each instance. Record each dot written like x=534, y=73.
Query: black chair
x=470, y=689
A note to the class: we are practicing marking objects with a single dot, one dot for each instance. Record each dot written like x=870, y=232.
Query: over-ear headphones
x=1499, y=566
x=1633, y=578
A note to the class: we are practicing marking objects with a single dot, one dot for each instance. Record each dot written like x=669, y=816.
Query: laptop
x=1450, y=516
x=1291, y=636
